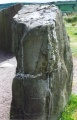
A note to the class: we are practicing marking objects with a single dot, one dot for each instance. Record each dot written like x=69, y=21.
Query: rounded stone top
x=36, y=15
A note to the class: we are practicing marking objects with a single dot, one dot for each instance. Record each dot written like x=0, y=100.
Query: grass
x=71, y=19
x=70, y=112
x=72, y=32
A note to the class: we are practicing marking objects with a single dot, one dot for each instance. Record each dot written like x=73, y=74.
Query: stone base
x=30, y=98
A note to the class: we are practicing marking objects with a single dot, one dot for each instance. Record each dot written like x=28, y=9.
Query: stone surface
x=43, y=82
x=6, y=16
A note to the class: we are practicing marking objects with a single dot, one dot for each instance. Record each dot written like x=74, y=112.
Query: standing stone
x=6, y=17
x=42, y=85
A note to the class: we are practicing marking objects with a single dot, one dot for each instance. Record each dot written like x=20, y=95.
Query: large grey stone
x=43, y=82
x=6, y=16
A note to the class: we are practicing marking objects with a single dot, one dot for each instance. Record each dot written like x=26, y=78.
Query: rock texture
x=43, y=82
x=6, y=16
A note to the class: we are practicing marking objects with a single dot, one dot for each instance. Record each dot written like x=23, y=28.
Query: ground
x=7, y=73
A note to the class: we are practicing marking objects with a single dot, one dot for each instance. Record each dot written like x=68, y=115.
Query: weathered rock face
x=6, y=16
x=42, y=85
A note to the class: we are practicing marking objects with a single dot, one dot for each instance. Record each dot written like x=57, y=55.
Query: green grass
x=70, y=112
x=71, y=19
x=72, y=32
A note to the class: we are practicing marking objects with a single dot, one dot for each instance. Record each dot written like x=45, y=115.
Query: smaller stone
x=6, y=19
